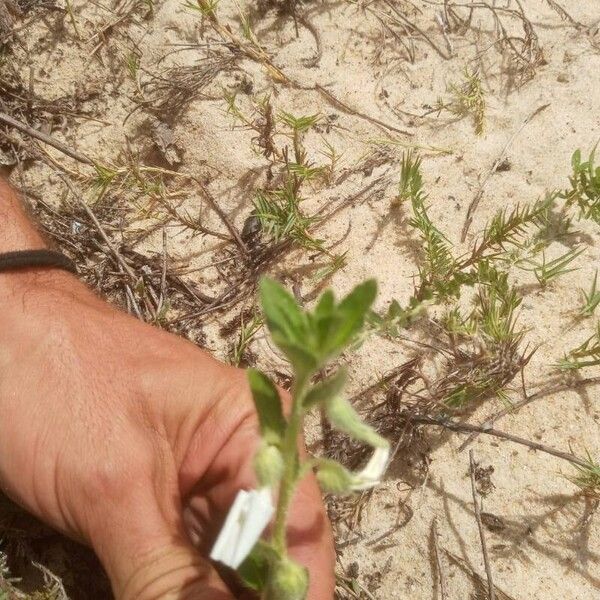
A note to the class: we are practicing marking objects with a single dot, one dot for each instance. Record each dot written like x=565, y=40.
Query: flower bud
x=268, y=465
x=333, y=477
x=289, y=581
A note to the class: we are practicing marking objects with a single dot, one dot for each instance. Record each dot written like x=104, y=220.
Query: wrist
x=17, y=233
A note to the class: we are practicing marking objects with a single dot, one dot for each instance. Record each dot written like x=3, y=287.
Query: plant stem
x=291, y=465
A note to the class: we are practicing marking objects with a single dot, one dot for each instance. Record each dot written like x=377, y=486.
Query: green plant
x=585, y=355
x=411, y=180
x=591, y=299
x=279, y=210
x=310, y=340
x=281, y=217
x=546, y=271
x=585, y=186
x=247, y=333
x=132, y=63
x=438, y=264
x=441, y=274
x=588, y=477
x=207, y=8
x=469, y=99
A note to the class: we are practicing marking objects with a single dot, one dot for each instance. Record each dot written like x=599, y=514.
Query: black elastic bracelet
x=28, y=259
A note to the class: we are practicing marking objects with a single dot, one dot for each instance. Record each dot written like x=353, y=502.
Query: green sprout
x=546, y=271
x=585, y=355
x=310, y=340
x=207, y=8
x=585, y=186
x=591, y=299
x=588, y=477
x=281, y=216
x=469, y=99
x=247, y=333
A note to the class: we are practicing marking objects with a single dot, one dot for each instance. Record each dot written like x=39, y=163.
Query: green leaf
x=289, y=325
x=268, y=406
x=346, y=419
x=323, y=317
x=333, y=477
x=350, y=315
x=302, y=360
x=284, y=317
x=328, y=388
x=254, y=571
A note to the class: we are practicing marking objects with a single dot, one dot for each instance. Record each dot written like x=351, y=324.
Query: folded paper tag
x=248, y=517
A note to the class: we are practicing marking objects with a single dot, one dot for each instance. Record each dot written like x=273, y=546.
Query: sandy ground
x=544, y=543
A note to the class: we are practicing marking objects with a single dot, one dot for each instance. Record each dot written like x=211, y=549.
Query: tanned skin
x=126, y=437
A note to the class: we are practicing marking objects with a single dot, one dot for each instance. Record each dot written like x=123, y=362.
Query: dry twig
x=47, y=139
x=466, y=427
x=441, y=574
x=477, y=508
x=477, y=198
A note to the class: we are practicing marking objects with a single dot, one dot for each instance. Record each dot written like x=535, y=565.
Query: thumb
x=148, y=556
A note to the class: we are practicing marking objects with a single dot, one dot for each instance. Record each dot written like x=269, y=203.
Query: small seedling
x=132, y=63
x=281, y=217
x=455, y=324
x=585, y=186
x=585, y=355
x=591, y=299
x=411, y=180
x=208, y=8
x=247, y=333
x=588, y=477
x=547, y=271
x=333, y=157
x=438, y=260
x=469, y=99
x=310, y=340
x=279, y=210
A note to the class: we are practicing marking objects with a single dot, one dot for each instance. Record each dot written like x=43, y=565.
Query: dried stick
x=99, y=227
x=477, y=198
x=472, y=573
x=257, y=54
x=477, y=507
x=337, y=103
x=120, y=261
x=467, y=428
x=215, y=206
x=34, y=133
x=418, y=30
x=543, y=393
x=443, y=595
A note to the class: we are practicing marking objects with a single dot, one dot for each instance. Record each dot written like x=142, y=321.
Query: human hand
x=131, y=440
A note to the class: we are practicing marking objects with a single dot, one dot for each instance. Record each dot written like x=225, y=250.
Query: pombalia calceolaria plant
x=310, y=340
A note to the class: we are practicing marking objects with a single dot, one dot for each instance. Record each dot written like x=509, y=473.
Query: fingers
x=148, y=556
x=310, y=539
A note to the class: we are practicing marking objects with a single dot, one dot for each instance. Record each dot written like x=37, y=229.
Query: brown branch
x=424, y=35
x=230, y=226
x=42, y=137
x=120, y=260
x=337, y=103
x=484, y=551
x=466, y=428
x=258, y=55
x=490, y=421
x=441, y=574
x=472, y=573
x=477, y=198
